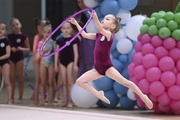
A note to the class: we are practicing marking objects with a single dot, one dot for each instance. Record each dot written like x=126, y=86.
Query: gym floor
x=27, y=110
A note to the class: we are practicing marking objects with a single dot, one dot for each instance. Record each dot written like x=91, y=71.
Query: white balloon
x=124, y=15
x=120, y=34
x=90, y=3
x=124, y=46
x=83, y=98
x=130, y=95
x=133, y=26
x=91, y=28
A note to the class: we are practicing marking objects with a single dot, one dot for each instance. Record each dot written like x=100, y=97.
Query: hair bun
x=48, y=22
x=36, y=19
x=119, y=19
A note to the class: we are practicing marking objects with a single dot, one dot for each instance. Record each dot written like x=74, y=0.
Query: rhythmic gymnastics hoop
x=2, y=82
x=69, y=42
x=27, y=79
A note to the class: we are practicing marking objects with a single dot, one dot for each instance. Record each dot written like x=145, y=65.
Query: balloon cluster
x=156, y=63
x=122, y=48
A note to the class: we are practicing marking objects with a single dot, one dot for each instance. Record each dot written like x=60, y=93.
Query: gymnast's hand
x=13, y=49
x=92, y=13
x=75, y=68
x=56, y=68
x=73, y=21
x=19, y=48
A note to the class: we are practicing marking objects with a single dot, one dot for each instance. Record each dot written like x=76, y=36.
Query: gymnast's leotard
x=49, y=60
x=36, y=48
x=102, y=61
x=66, y=56
x=17, y=40
x=3, y=44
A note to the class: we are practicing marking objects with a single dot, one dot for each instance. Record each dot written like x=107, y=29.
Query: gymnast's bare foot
x=102, y=97
x=147, y=101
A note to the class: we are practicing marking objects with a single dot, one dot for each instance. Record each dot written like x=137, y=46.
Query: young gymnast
x=102, y=62
x=5, y=51
x=19, y=44
x=47, y=65
x=36, y=61
x=68, y=58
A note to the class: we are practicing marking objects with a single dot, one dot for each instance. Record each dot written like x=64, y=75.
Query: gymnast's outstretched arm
x=91, y=36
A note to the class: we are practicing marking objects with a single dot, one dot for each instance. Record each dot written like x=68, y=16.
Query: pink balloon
x=144, y=86
x=175, y=71
x=163, y=108
x=178, y=44
x=131, y=69
x=156, y=41
x=139, y=37
x=147, y=48
x=175, y=104
x=150, y=60
x=175, y=54
x=169, y=43
x=146, y=38
x=161, y=52
x=166, y=63
x=134, y=80
x=153, y=98
x=178, y=79
x=137, y=58
x=178, y=65
x=164, y=99
x=140, y=103
x=157, y=88
x=168, y=78
x=174, y=92
x=153, y=74
x=138, y=47
x=139, y=72
x=176, y=112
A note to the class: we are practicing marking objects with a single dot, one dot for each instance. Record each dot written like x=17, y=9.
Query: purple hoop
x=61, y=48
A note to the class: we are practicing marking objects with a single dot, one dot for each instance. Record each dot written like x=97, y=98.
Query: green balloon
x=153, y=30
x=176, y=34
x=162, y=12
x=161, y=23
x=145, y=22
x=144, y=29
x=160, y=16
x=177, y=18
x=169, y=16
x=152, y=21
x=172, y=25
x=155, y=14
x=164, y=32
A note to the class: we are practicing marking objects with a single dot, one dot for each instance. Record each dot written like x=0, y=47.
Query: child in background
x=5, y=51
x=36, y=61
x=19, y=44
x=67, y=61
x=47, y=65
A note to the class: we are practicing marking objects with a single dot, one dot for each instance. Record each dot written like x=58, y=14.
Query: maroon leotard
x=102, y=61
x=17, y=40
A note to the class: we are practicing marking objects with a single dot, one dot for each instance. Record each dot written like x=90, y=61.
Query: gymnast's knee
x=79, y=82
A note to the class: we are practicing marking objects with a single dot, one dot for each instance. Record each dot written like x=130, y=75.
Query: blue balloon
x=113, y=47
x=100, y=104
x=112, y=97
x=123, y=58
x=98, y=12
x=115, y=54
x=125, y=73
x=120, y=89
x=117, y=65
x=126, y=103
x=104, y=83
x=99, y=1
x=128, y=4
x=130, y=55
x=109, y=7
